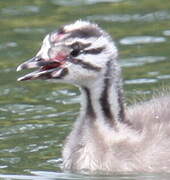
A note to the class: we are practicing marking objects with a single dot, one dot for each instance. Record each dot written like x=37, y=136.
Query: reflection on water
x=35, y=117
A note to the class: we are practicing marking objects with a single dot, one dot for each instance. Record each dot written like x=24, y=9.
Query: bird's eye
x=76, y=49
x=75, y=52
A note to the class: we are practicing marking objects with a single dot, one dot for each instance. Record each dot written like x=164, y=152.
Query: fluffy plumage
x=107, y=136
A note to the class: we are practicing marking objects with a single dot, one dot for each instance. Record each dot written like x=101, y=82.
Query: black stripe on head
x=85, y=65
x=79, y=45
x=94, y=51
x=81, y=48
x=85, y=32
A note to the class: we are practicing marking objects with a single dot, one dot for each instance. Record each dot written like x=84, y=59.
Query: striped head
x=77, y=53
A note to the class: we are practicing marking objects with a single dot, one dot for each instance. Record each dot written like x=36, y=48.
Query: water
x=36, y=116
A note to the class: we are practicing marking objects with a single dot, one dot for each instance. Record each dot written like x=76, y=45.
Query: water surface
x=36, y=116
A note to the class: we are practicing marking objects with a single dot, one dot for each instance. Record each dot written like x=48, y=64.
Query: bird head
x=77, y=53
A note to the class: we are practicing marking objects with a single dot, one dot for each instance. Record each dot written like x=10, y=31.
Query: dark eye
x=75, y=52
x=76, y=49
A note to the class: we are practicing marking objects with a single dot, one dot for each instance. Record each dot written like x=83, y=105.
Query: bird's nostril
x=38, y=59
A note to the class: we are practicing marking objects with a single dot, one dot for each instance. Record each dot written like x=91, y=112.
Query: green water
x=36, y=116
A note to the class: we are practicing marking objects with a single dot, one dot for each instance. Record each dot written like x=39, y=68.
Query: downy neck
x=102, y=101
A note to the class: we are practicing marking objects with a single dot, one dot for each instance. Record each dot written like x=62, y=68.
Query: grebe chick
x=106, y=136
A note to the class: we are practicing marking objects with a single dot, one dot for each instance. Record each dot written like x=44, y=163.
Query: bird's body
x=107, y=136
x=141, y=145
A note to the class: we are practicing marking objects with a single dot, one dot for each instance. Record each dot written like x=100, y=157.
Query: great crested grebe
x=106, y=136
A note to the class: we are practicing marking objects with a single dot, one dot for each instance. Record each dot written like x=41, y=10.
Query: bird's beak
x=46, y=69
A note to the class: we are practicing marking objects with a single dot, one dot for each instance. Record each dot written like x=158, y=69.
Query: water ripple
x=139, y=61
x=74, y=100
x=141, y=81
x=82, y=2
x=3, y=166
x=154, y=16
x=29, y=30
x=11, y=130
x=64, y=96
x=13, y=150
x=165, y=76
x=12, y=160
x=36, y=148
x=50, y=115
x=8, y=45
x=4, y=91
x=133, y=40
x=23, y=108
x=19, y=10
x=63, y=92
x=166, y=33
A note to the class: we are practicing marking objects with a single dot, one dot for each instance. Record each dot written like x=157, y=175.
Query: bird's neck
x=102, y=101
